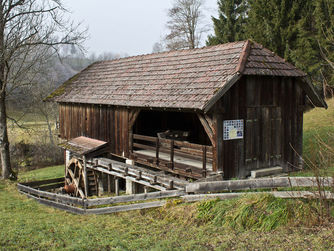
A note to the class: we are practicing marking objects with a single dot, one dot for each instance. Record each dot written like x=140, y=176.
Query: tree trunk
x=4, y=143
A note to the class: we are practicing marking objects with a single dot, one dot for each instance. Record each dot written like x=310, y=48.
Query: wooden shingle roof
x=188, y=79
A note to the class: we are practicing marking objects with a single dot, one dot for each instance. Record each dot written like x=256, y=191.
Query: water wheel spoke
x=74, y=175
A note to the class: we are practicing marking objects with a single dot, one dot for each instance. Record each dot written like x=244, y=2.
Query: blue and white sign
x=233, y=129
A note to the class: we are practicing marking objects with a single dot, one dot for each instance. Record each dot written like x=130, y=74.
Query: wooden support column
x=218, y=148
x=211, y=126
x=117, y=186
x=109, y=179
x=85, y=175
x=204, y=161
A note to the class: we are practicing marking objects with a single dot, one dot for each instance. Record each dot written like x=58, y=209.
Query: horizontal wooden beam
x=280, y=194
x=134, y=197
x=114, y=209
x=42, y=182
x=62, y=198
x=230, y=185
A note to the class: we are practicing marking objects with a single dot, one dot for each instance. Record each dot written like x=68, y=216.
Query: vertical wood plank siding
x=272, y=110
x=96, y=121
x=271, y=107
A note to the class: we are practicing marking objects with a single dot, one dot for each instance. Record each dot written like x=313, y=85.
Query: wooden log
x=134, y=197
x=217, y=186
x=123, y=208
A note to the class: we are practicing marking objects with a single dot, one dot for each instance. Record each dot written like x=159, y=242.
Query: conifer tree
x=229, y=26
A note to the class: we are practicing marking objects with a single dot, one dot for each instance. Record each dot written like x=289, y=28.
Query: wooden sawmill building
x=226, y=109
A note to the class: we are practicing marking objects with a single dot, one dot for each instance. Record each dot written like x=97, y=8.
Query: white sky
x=126, y=26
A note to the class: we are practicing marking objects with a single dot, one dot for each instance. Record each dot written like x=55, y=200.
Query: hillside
x=319, y=135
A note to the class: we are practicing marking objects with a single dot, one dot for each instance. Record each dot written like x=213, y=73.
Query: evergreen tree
x=229, y=26
x=273, y=23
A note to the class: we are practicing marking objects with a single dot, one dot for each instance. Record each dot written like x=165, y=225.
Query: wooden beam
x=135, y=197
x=208, y=129
x=229, y=185
x=62, y=198
x=133, y=114
x=114, y=209
x=277, y=194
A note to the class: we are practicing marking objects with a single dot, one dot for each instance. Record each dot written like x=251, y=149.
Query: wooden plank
x=124, y=208
x=57, y=205
x=121, y=175
x=280, y=194
x=146, y=173
x=217, y=186
x=52, y=186
x=142, y=146
x=43, y=182
x=144, y=137
x=134, y=197
x=62, y=198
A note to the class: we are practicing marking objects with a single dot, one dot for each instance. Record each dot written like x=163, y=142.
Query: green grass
x=42, y=173
x=25, y=224
x=318, y=141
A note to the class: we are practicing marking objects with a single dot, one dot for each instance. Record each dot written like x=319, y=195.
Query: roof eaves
x=60, y=90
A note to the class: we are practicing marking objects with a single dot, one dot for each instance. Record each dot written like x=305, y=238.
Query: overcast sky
x=125, y=26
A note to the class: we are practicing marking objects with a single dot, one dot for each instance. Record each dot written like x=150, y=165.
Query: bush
x=31, y=156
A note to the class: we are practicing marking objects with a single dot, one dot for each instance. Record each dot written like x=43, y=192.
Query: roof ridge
x=243, y=56
x=173, y=51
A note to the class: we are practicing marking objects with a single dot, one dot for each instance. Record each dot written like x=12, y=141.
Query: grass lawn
x=25, y=224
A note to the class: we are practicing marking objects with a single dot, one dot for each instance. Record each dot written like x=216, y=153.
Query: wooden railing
x=191, y=151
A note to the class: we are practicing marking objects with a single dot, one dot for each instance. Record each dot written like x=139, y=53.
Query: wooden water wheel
x=75, y=177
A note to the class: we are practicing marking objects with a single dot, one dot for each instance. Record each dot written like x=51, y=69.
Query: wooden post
x=172, y=153
x=109, y=179
x=157, y=151
x=85, y=175
x=96, y=183
x=117, y=186
x=204, y=161
x=131, y=142
x=145, y=189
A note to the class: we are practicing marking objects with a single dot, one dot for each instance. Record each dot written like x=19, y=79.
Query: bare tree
x=29, y=31
x=185, y=24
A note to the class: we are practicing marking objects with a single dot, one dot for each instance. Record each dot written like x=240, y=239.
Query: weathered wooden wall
x=272, y=110
x=271, y=107
x=101, y=122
